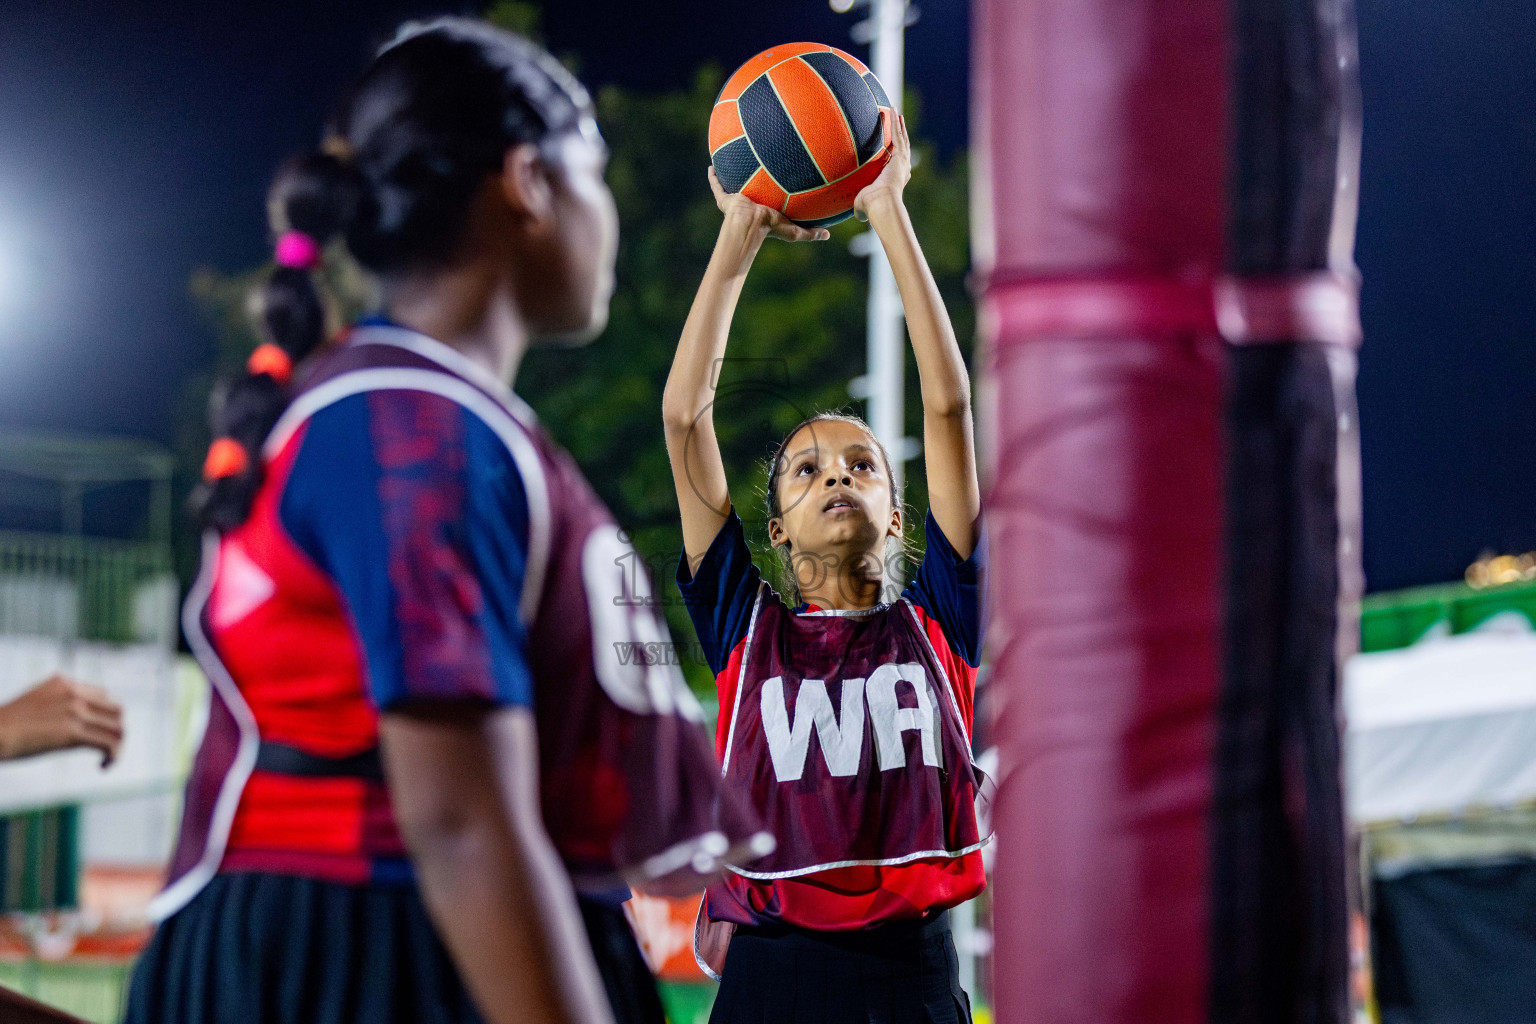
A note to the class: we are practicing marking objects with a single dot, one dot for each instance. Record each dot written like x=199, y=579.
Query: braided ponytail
x=314, y=198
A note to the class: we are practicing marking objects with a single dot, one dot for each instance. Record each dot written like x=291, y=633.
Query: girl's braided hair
x=432, y=116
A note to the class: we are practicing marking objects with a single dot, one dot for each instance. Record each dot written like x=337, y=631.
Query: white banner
x=1442, y=726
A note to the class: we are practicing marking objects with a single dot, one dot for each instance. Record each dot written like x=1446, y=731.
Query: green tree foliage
x=518, y=15
x=797, y=340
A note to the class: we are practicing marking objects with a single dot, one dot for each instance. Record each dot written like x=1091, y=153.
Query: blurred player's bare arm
x=466, y=792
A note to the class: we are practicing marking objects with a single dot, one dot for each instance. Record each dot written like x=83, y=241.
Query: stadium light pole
x=884, y=380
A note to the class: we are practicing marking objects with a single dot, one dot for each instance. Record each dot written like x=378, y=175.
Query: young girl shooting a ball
x=845, y=717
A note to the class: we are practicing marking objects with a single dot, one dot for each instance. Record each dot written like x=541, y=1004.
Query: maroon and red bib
x=848, y=736
x=630, y=786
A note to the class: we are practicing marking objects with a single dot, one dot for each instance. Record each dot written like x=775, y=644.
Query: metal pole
x=74, y=528
x=886, y=324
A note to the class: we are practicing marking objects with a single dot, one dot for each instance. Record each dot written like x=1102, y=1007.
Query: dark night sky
x=136, y=147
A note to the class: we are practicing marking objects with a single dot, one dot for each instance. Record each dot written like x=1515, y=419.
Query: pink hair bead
x=297, y=250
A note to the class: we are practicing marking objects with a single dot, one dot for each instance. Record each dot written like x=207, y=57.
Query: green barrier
x=94, y=991
x=1399, y=618
x=687, y=1004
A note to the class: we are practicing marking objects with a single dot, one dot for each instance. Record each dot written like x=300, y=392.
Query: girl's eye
x=861, y=464
x=804, y=468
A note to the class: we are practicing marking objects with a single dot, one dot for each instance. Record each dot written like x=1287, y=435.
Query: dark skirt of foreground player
x=287, y=950
x=904, y=972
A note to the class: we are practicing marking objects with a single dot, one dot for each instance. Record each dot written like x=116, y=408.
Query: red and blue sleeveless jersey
x=851, y=733
x=418, y=538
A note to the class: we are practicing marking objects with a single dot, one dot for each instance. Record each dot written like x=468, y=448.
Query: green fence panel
x=1399, y=618
x=100, y=579
x=40, y=861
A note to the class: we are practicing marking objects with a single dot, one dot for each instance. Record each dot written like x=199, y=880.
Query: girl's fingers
x=95, y=731
x=92, y=714
x=790, y=231
x=96, y=696
x=110, y=719
x=105, y=741
x=98, y=703
x=781, y=226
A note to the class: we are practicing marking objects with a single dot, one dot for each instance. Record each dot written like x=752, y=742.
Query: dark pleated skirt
x=899, y=973
x=279, y=949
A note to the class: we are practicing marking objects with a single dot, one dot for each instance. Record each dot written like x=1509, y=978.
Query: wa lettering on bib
x=848, y=737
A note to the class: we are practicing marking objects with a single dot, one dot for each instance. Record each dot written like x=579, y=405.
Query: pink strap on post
x=1321, y=306
x=297, y=250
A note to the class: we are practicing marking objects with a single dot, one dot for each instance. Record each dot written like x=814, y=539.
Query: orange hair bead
x=272, y=361
x=226, y=457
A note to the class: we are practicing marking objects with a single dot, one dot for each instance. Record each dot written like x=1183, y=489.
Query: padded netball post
x=1168, y=364
x=1104, y=160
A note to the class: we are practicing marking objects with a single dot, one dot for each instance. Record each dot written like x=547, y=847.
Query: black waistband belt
x=892, y=935
x=285, y=760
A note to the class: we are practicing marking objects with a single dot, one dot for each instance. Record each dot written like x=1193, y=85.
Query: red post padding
x=1101, y=129
x=1105, y=549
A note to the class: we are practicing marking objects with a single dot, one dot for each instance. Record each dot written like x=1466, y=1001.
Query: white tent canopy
x=1443, y=726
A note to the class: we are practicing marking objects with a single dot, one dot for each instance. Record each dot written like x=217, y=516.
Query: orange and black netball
x=801, y=128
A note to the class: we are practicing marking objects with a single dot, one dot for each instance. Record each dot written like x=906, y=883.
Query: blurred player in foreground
x=427, y=774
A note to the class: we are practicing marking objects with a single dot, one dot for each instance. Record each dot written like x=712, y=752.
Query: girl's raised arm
x=687, y=405
x=949, y=442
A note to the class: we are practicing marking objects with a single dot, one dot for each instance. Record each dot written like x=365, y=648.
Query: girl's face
x=834, y=495
x=570, y=303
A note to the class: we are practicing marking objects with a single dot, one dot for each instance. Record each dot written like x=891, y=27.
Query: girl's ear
x=525, y=184
x=897, y=520
x=776, y=535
